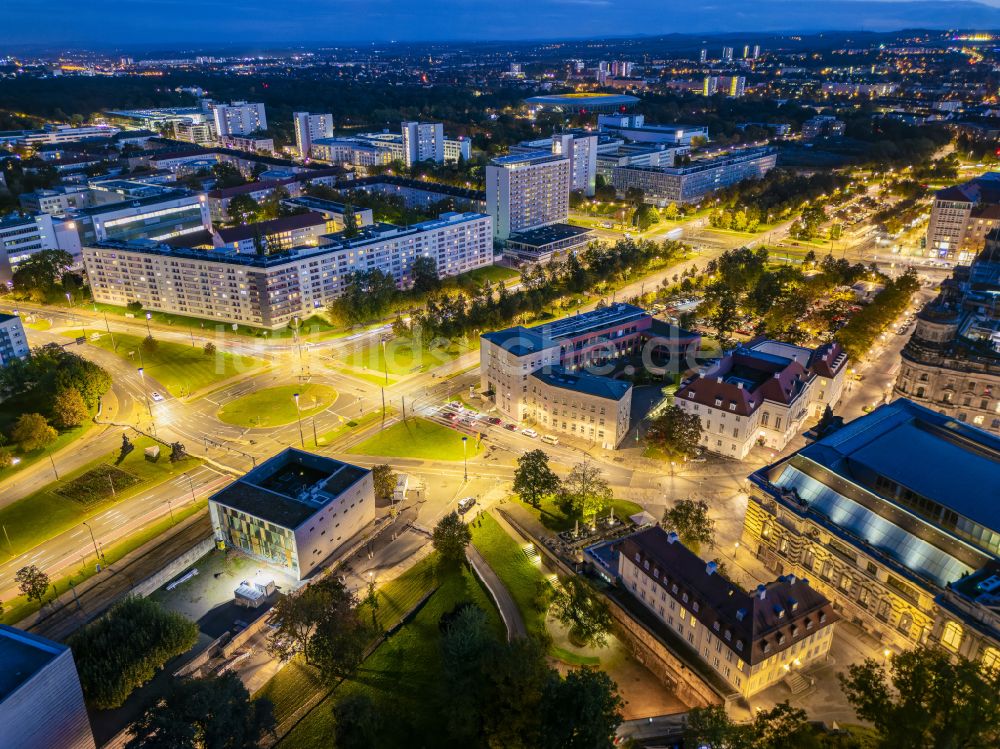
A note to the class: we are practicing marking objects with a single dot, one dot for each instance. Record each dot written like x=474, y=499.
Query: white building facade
x=310, y=127
x=525, y=191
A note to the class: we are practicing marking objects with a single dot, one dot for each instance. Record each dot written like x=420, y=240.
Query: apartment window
x=905, y=623
x=990, y=660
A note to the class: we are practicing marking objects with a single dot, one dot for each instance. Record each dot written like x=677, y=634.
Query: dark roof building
x=786, y=622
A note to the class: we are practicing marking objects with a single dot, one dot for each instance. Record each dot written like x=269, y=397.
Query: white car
x=464, y=504
x=529, y=433
x=156, y=396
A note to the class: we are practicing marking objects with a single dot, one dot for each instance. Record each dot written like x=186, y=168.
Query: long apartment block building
x=527, y=190
x=269, y=290
x=962, y=216
x=690, y=183
x=557, y=375
x=894, y=517
x=952, y=361
x=764, y=393
x=752, y=639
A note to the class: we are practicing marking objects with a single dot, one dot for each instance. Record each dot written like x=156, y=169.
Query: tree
x=676, y=433
x=926, y=699
x=645, y=216
x=6, y=458
x=533, y=479
x=41, y=271
x=586, y=491
x=322, y=622
x=149, y=344
x=578, y=607
x=424, y=273
x=32, y=582
x=356, y=722
x=581, y=711
x=209, y=713
x=123, y=649
x=689, y=520
x=243, y=209
x=366, y=296
x=781, y=727
x=209, y=349
x=227, y=175
x=385, y=480
x=32, y=432
x=350, y=222
x=451, y=536
x=69, y=409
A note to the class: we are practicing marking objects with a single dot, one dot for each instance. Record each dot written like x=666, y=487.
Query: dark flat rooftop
x=583, y=382
x=290, y=488
x=23, y=655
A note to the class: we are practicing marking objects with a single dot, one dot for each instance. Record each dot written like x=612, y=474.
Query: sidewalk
x=509, y=612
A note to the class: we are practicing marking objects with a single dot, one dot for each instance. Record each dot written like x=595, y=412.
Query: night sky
x=120, y=22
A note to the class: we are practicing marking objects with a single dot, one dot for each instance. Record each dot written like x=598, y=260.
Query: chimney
x=793, y=604
x=761, y=592
x=672, y=537
x=710, y=568
x=779, y=611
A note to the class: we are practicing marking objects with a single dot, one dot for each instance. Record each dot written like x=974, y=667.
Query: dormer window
x=645, y=565
x=694, y=606
x=715, y=626
x=718, y=402
x=637, y=557
x=673, y=588
x=684, y=597
x=728, y=635
x=766, y=646
x=822, y=617
x=690, y=393
x=795, y=631
x=739, y=644
x=732, y=406
x=809, y=623
x=781, y=638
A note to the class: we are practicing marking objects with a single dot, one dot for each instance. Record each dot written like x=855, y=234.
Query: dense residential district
x=635, y=393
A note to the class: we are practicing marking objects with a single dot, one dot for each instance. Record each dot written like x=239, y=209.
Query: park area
x=181, y=369
x=276, y=406
x=400, y=674
x=418, y=438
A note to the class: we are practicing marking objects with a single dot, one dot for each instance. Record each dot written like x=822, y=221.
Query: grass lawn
x=180, y=369
x=556, y=520
x=53, y=510
x=522, y=577
x=18, y=608
x=402, y=675
x=65, y=437
x=273, y=407
x=353, y=425
x=402, y=356
x=417, y=438
x=205, y=325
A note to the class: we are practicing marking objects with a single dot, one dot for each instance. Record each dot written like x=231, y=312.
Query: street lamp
x=149, y=332
x=465, y=455
x=149, y=408
x=298, y=413
x=94, y=540
x=385, y=362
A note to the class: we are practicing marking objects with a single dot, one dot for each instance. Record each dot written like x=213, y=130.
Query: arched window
x=990, y=660
x=905, y=623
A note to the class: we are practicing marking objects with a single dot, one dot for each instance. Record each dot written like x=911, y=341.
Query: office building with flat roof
x=269, y=290
x=294, y=510
x=41, y=701
x=962, y=216
x=633, y=127
x=752, y=639
x=689, y=183
x=763, y=393
x=310, y=127
x=894, y=516
x=556, y=375
x=13, y=342
x=527, y=190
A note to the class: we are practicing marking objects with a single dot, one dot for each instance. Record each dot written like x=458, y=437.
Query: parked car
x=464, y=504
x=511, y=427
x=494, y=420
x=529, y=433
x=156, y=396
